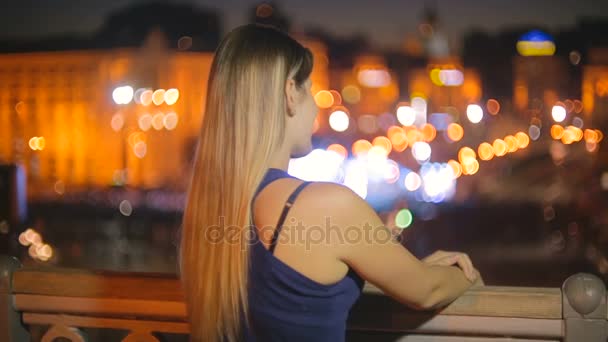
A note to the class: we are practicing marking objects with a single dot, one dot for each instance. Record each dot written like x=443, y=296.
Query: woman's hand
x=443, y=258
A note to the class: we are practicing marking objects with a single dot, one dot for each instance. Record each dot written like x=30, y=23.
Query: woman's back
x=285, y=304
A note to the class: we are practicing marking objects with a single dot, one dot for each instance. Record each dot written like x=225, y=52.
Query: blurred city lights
x=384, y=143
x=421, y=151
x=438, y=182
x=146, y=97
x=474, y=113
x=361, y=147
x=339, y=149
x=523, y=140
x=434, y=75
x=137, y=95
x=398, y=138
x=171, y=96
x=456, y=168
x=404, y=218
x=59, y=187
x=355, y=177
x=500, y=147
x=485, y=151
x=391, y=171
x=125, y=208
x=374, y=78
x=122, y=95
x=419, y=105
x=466, y=155
x=170, y=121
x=558, y=113
x=351, y=94
x=455, y=132
x=145, y=122
x=37, y=143
x=557, y=132
x=337, y=97
x=512, y=144
x=406, y=115
x=451, y=77
x=158, y=121
x=412, y=181
x=577, y=122
x=428, y=132
x=140, y=149
x=319, y=165
x=158, y=97
x=367, y=124
x=470, y=168
x=534, y=132
x=493, y=106
x=117, y=122
x=339, y=121
x=324, y=99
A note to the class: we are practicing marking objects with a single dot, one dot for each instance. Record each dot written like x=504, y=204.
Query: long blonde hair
x=243, y=125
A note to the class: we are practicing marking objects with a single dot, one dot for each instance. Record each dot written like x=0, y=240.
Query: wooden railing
x=65, y=302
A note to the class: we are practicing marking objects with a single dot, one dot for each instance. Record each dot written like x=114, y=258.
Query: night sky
x=384, y=21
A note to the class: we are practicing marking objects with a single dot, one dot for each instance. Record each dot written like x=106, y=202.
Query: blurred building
x=539, y=82
x=447, y=84
x=595, y=86
x=79, y=119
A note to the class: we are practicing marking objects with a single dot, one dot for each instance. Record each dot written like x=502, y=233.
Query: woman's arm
x=382, y=260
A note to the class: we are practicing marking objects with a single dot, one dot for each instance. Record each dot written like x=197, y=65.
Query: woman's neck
x=280, y=160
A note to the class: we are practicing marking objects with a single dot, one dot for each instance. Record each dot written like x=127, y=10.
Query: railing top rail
x=497, y=301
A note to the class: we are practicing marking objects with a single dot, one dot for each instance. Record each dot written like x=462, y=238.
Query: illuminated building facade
x=60, y=120
x=595, y=87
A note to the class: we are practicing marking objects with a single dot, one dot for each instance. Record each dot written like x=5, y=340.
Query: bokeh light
x=428, y=132
x=324, y=99
x=557, y=132
x=351, y=94
x=523, y=140
x=500, y=147
x=466, y=155
x=339, y=149
x=170, y=121
x=558, y=113
x=456, y=168
x=158, y=97
x=421, y=151
x=534, y=132
x=412, y=181
x=485, y=151
x=383, y=143
x=171, y=96
x=455, y=132
x=474, y=113
x=122, y=95
x=406, y=115
x=512, y=144
x=361, y=147
x=493, y=106
x=339, y=121
x=404, y=218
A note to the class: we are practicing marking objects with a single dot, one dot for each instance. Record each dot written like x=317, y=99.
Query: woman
x=261, y=282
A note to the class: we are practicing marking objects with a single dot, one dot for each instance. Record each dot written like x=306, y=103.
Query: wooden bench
x=63, y=302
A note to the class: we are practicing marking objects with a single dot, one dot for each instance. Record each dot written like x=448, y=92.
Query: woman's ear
x=291, y=96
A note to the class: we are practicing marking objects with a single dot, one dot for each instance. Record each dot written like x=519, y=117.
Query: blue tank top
x=284, y=304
